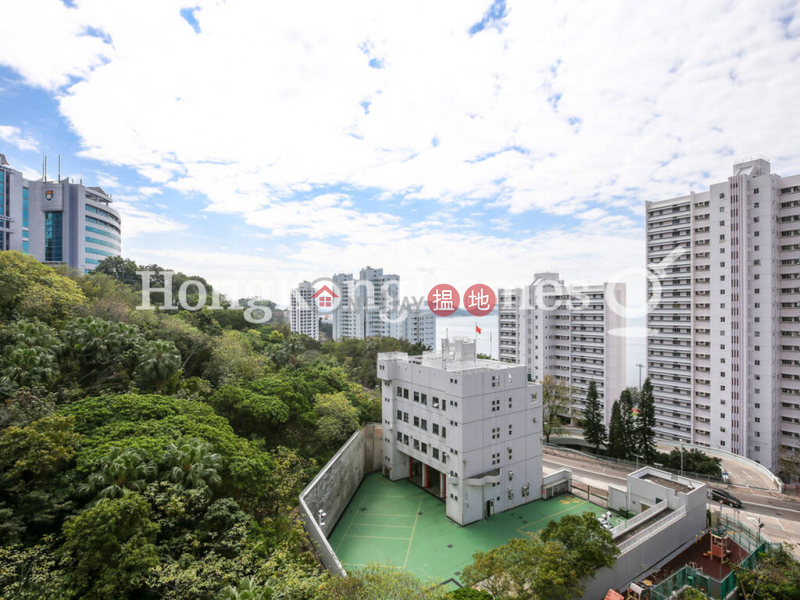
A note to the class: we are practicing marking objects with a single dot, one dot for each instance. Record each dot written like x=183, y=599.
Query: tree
x=109, y=548
x=646, y=435
x=377, y=582
x=120, y=472
x=250, y=412
x=616, y=435
x=790, y=465
x=555, y=404
x=337, y=419
x=247, y=589
x=773, y=577
x=193, y=464
x=628, y=420
x=30, y=289
x=594, y=427
x=526, y=569
x=159, y=364
x=589, y=544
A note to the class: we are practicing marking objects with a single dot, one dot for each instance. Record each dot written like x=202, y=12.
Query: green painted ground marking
x=401, y=526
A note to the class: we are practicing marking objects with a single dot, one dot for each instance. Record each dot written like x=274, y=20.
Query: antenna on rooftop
x=45, y=169
x=59, y=167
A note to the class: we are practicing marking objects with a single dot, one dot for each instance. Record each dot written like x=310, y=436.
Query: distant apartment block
x=469, y=430
x=57, y=222
x=569, y=333
x=723, y=351
x=303, y=312
x=419, y=327
x=366, y=310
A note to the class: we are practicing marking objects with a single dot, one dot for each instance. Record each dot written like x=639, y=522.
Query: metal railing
x=638, y=519
x=648, y=532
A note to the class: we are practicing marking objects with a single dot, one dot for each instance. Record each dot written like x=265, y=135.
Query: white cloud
x=582, y=110
x=13, y=135
x=137, y=221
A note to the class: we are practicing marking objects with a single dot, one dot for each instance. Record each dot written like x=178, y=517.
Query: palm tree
x=193, y=464
x=159, y=362
x=122, y=471
x=27, y=367
x=247, y=589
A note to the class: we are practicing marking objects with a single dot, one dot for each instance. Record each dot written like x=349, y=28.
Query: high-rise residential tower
x=723, y=350
x=367, y=310
x=303, y=312
x=57, y=222
x=575, y=334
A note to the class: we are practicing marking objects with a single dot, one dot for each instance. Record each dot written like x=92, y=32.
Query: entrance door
x=489, y=508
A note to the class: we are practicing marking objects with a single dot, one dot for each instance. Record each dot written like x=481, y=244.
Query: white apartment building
x=367, y=310
x=724, y=342
x=571, y=333
x=303, y=312
x=466, y=429
x=419, y=327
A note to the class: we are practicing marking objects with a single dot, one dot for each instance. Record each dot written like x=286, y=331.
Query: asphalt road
x=779, y=513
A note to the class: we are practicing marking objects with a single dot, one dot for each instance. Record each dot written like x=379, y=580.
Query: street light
x=641, y=366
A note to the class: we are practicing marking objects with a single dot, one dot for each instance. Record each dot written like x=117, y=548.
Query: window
x=416, y=396
x=405, y=417
x=399, y=391
x=435, y=453
x=405, y=393
x=399, y=437
x=405, y=439
x=755, y=191
x=424, y=448
x=53, y=237
x=435, y=428
x=416, y=421
x=416, y=444
x=424, y=398
x=424, y=425
x=435, y=402
x=399, y=415
x=444, y=432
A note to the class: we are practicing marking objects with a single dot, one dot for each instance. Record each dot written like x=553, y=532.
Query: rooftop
x=457, y=356
x=400, y=525
x=667, y=483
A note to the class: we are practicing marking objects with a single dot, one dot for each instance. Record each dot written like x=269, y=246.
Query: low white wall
x=334, y=486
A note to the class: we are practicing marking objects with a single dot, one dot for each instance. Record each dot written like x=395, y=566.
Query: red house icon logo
x=324, y=297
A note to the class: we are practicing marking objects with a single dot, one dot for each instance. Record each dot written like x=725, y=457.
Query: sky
x=258, y=144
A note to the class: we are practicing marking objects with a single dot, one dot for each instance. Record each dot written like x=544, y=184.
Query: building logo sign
x=48, y=195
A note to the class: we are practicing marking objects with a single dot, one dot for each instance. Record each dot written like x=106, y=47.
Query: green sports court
x=402, y=526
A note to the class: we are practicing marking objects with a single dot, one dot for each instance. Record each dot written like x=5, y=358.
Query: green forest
x=155, y=454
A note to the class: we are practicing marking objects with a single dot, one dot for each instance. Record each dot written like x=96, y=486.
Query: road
x=779, y=514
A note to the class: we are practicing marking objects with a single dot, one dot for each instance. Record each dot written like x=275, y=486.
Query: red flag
x=477, y=329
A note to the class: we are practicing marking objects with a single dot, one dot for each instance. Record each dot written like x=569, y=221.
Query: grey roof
x=99, y=190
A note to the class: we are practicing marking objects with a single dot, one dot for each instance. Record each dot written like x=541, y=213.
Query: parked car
x=724, y=497
x=725, y=477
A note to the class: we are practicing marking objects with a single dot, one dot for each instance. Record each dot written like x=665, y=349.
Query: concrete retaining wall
x=334, y=486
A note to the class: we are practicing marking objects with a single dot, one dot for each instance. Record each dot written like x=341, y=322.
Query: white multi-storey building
x=469, y=430
x=724, y=342
x=572, y=333
x=369, y=308
x=303, y=312
x=419, y=327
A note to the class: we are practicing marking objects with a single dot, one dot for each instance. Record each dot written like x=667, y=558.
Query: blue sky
x=259, y=144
